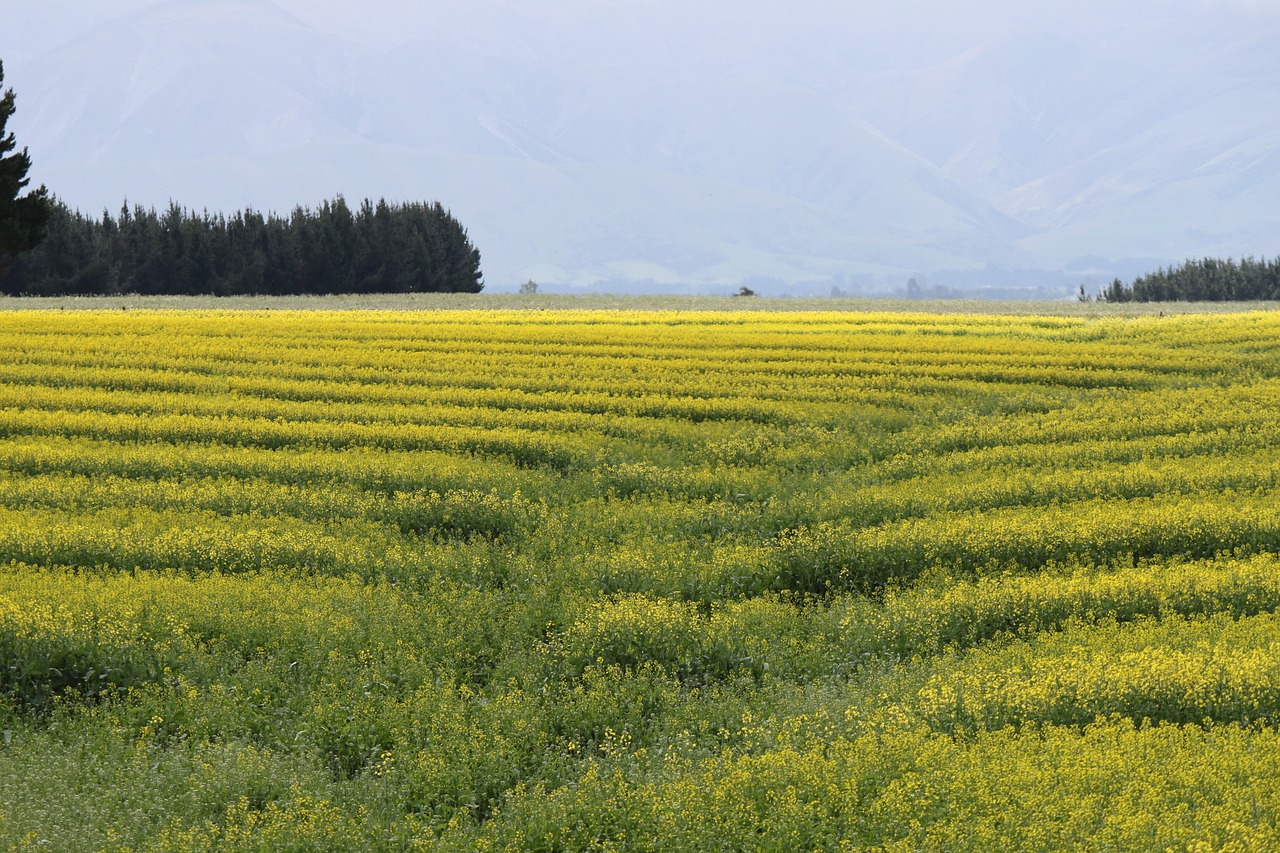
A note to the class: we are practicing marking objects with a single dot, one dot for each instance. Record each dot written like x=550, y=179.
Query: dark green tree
x=23, y=218
x=1205, y=280
x=404, y=248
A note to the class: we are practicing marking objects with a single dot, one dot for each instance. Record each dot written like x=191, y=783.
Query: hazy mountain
x=694, y=144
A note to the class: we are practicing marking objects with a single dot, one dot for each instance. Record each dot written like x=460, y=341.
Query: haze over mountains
x=686, y=146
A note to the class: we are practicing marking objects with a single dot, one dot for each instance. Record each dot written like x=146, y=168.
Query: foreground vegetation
x=638, y=580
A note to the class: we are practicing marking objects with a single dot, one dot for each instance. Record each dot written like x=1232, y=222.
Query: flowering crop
x=638, y=580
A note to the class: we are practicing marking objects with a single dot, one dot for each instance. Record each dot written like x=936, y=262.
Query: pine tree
x=405, y=248
x=23, y=219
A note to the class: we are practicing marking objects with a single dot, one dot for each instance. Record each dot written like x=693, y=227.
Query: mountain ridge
x=578, y=147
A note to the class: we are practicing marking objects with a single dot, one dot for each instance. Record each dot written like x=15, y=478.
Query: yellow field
x=598, y=579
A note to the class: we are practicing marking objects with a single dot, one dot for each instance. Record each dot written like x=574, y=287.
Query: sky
x=803, y=148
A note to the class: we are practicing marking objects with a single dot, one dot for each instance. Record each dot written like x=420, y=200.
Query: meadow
x=620, y=579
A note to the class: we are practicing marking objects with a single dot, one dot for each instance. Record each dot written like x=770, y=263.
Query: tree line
x=377, y=248
x=1206, y=280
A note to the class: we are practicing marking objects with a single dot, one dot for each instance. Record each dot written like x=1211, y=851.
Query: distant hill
x=647, y=142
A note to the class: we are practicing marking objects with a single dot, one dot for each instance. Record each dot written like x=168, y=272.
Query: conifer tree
x=23, y=218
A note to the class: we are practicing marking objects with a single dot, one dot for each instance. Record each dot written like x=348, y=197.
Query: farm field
x=638, y=579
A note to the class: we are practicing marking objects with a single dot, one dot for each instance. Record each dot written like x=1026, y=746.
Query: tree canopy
x=22, y=217
x=376, y=248
x=1206, y=280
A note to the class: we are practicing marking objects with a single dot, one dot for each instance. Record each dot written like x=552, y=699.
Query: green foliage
x=638, y=580
x=382, y=248
x=1206, y=280
x=23, y=217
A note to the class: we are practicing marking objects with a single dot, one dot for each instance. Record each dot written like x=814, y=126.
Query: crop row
x=638, y=580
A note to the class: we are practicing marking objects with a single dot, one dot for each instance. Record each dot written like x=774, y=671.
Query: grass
x=619, y=302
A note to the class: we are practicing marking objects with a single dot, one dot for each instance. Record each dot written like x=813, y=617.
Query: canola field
x=638, y=580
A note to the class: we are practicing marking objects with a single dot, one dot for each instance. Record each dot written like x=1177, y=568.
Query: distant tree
x=382, y=248
x=1116, y=292
x=745, y=291
x=1206, y=280
x=529, y=286
x=23, y=218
